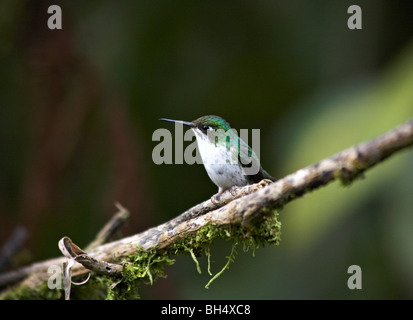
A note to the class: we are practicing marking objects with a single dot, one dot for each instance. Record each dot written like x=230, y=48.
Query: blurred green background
x=79, y=106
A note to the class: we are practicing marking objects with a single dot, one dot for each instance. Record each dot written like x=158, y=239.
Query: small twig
x=110, y=228
x=102, y=237
x=74, y=254
x=71, y=250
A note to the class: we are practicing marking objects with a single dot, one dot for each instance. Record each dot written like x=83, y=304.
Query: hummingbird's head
x=205, y=123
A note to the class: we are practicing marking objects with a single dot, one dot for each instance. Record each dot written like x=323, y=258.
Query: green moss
x=146, y=266
x=96, y=288
x=42, y=292
x=230, y=258
x=143, y=267
x=263, y=232
x=267, y=231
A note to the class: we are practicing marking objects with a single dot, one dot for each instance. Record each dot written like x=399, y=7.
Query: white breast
x=216, y=163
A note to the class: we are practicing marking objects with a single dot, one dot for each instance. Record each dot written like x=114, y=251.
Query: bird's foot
x=216, y=197
x=265, y=182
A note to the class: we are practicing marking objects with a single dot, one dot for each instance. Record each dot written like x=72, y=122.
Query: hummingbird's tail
x=266, y=175
x=261, y=175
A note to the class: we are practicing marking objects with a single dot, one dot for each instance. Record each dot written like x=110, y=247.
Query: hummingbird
x=228, y=160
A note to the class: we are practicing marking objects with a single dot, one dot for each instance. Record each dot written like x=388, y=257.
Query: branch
x=247, y=204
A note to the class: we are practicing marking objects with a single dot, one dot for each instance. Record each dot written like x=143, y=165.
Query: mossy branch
x=246, y=210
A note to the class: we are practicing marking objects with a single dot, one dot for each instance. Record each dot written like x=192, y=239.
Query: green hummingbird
x=228, y=160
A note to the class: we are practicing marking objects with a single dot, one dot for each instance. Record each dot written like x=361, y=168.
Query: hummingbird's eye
x=204, y=128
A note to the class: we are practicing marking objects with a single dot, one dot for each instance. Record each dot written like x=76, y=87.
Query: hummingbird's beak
x=178, y=121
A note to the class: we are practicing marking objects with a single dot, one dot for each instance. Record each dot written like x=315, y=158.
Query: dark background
x=79, y=105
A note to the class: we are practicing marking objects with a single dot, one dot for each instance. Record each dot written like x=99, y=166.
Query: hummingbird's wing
x=251, y=163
